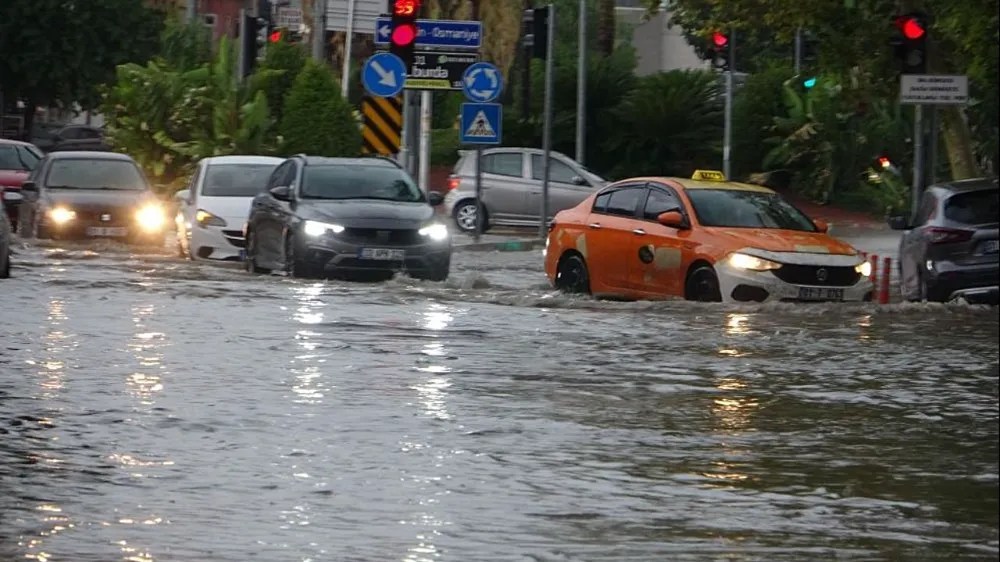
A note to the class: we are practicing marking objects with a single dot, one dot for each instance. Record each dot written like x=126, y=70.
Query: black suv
x=346, y=217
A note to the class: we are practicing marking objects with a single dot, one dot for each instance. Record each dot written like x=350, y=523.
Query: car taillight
x=453, y=183
x=948, y=235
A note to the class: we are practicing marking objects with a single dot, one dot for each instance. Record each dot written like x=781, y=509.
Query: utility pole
x=319, y=30
x=425, y=140
x=192, y=10
x=345, y=74
x=547, y=128
x=581, y=86
x=728, y=116
x=798, y=50
x=918, y=160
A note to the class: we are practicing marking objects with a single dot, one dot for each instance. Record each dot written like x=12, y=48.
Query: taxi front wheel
x=703, y=285
x=572, y=275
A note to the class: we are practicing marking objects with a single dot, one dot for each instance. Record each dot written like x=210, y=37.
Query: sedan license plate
x=381, y=254
x=820, y=294
x=106, y=231
x=991, y=246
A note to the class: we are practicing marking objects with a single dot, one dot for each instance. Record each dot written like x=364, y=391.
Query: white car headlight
x=315, y=228
x=864, y=268
x=436, y=231
x=204, y=218
x=151, y=217
x=62, y=215
x=753, y=263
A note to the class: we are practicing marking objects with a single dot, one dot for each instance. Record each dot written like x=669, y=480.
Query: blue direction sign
x=436, y=33
x=384, y=75
x=481, y=123
x=482, y=82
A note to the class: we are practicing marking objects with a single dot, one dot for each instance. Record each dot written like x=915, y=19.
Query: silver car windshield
x=359, y=182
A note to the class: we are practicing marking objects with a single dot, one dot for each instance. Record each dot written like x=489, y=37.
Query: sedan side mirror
x=821, y=225
x=183, y=196
x=673, y=219
x=896, y=222
x=29, y=187
x=281, y=193
x=435, y=198
x=578, y=180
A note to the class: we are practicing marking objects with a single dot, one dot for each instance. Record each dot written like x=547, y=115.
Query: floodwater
x=153, y=409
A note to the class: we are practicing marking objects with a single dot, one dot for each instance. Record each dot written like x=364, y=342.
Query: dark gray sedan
x=951, y=249
x=346, y=217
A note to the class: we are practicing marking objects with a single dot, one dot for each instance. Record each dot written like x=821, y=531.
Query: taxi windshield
x=734, y=208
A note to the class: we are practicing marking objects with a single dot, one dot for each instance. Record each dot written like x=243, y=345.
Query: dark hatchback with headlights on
x=346, y=217
x=72, y=195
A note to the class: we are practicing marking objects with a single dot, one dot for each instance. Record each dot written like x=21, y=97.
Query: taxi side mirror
x=821, y=225
x=673, y=219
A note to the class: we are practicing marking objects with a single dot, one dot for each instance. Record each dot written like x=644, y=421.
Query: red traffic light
x=274, y=37
x=719, y=39
x=884, y=161
x=405, y=7
x=912, y=28
x=404, y=34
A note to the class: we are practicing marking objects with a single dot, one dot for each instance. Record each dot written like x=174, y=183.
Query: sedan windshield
x=79, y=173
x=236, y=180
x=359, y=182
x=747, y=209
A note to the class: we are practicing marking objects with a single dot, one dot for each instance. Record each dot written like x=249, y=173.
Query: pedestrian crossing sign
x=480, y=123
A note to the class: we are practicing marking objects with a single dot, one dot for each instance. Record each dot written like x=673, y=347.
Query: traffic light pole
x=319, y=29
x=581, y=86
x=241, y=59
x=425, y=140
x=798, y=50
x=345, y=74
x=547, y=127
x=918, y=160
x=727, y=132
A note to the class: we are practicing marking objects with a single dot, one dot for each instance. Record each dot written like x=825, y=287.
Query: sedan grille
x=824, y=276
x=235, y=237
x=394, y=237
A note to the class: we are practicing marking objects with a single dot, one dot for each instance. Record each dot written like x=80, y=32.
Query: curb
x=522, y=245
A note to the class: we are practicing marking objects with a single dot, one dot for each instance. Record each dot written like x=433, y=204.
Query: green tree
x=285, y=60
x=61, y=52
x=317, y=119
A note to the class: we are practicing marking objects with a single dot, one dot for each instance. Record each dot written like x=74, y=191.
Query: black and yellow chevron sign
x=383, y=123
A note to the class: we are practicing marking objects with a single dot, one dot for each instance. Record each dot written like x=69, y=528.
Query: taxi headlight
x=151, y=217
x=864, y=268
x=62, y=215
x=436, y=231
x=204, y=218
x=316, y=228
x=753, y=263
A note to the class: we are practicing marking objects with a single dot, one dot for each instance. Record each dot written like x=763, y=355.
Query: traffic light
x=275, y=36
x=718, y=50
x=540, y=32
x=911, y=42
x=403, y=34
x=809, y=82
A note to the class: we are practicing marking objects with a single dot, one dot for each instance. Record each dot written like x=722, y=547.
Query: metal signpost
x=547, y=127
x=481, y=122
x=928, y=89
x=727, y=133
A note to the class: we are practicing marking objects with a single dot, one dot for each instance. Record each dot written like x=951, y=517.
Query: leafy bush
x=285, y=61
x=444, y=147
x=754, y=108
x=317, y=119
x=671, y=124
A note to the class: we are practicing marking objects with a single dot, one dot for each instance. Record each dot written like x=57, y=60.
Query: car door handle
x=595, y=225
x=638, y=232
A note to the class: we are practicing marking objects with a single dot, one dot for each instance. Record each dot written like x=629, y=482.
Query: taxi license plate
x=381, y=254
x=820, y=294
x=991, y=246
x=106, y=231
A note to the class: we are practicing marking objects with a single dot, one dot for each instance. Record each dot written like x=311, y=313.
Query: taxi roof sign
x=708, y=175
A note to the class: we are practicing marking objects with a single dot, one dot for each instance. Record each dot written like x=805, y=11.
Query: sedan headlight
x=61, y=215
x=864, y=268
x=436, y=231
x=315, y=228
x=753, y=263
x=151, y=217
x=204, y=218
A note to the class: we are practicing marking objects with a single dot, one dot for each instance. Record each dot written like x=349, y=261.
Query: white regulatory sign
x=934, y=89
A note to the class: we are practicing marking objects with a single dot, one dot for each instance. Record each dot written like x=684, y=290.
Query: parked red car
x=17, y=160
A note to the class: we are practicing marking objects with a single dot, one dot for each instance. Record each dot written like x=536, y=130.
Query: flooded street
x=153, y=409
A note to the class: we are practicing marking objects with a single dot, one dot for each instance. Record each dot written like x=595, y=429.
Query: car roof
x=243, y=159
x=16, y=142
x=89, y=155
x=526, y=149
x=974, y=184
x=347, y=161
x=691, y=184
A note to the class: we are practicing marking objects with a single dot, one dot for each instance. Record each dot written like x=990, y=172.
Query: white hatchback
x=212, y=210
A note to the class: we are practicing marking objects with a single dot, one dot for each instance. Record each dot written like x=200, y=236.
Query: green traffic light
x=809, y=82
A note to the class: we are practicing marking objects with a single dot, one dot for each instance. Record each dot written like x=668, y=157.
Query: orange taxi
x=704, y=239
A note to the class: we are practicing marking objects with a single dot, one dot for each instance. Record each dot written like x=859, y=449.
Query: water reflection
x=57, y=341
x=145, y=346
x=308, y=385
